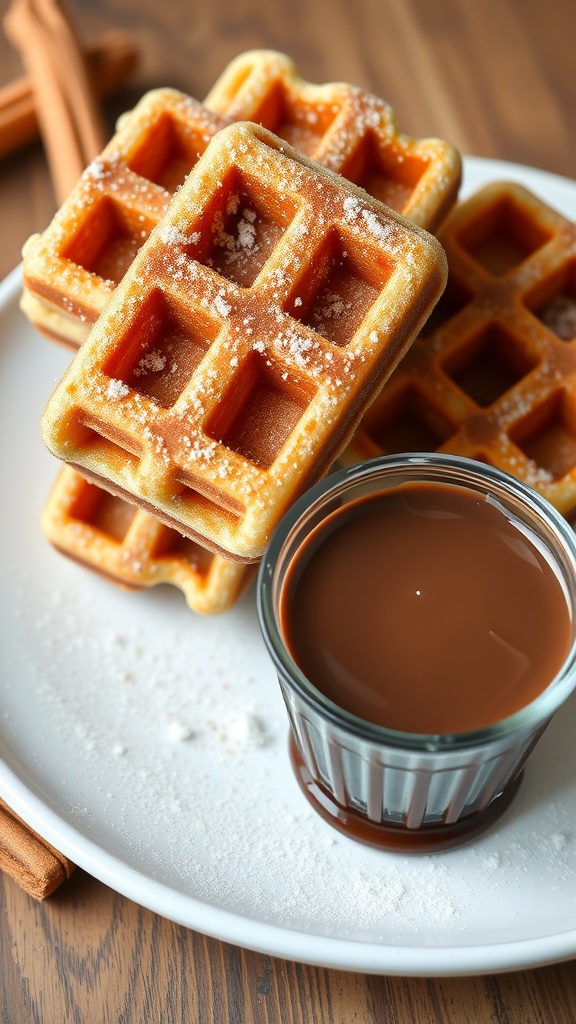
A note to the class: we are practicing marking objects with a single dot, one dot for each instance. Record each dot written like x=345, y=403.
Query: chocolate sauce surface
x=425, y=609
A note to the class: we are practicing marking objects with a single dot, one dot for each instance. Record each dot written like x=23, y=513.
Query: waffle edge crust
x=127, y=546
x=242, y=347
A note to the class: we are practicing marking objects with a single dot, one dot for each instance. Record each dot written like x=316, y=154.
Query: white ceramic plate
x=149, y=745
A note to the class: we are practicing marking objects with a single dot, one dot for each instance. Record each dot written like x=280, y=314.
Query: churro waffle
x=132, y=549
x=493, y=374
x=246, y=340
x=344, y=128
x=71, y=269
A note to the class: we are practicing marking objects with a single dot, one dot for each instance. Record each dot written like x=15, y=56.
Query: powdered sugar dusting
x=177, y=735
x=117, y=389
x=222, y=307
x=171, y=234
x=153, y=362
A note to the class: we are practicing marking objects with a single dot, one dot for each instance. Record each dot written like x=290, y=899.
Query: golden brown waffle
x=71, y=269
x=493, y=374
x=344, y=128
x=53, y=323
x=132, y=549
x=243, y=345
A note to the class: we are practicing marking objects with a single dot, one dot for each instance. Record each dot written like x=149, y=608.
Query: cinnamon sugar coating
x=344, y=128
x=493, y=374
x=71, y=269
x=241, y=348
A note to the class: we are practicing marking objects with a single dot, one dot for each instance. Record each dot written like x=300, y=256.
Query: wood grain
x=495, y=78
x=97, y=957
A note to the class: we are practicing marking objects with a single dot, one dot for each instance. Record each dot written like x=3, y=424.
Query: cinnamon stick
x=67, y=112
x=110, y=62
x=69, y=67
x=34, y=864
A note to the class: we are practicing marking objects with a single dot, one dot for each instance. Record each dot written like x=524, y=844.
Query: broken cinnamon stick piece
x=110, y=62
x=33, y=863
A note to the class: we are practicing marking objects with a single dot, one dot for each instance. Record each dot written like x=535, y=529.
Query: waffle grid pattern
x=71, y=269
x=132, y=549
x=245, y=342
x=493, y=374
x=344, y=128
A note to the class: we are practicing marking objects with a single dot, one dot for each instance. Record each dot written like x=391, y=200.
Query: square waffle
x=71, y=269
x=493, y=374
x=344, y=128
x=132, y=549
x=246, y=340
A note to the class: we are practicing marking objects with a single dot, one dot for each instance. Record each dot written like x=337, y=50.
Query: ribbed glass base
x=426, y=839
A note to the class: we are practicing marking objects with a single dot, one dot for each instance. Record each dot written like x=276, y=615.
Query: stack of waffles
x=71, y=269
x=242, y=276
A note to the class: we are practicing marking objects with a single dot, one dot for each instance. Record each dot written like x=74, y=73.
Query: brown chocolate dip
x=426, y=609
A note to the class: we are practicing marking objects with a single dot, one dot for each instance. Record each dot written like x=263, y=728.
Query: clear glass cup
x=399, y=790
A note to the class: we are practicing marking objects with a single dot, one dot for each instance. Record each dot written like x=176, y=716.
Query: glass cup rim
x=529, y=718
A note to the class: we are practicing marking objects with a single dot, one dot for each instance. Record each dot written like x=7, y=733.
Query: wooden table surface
x=495, y=78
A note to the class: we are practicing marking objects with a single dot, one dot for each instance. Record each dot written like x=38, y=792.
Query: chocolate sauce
x=425, y=609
